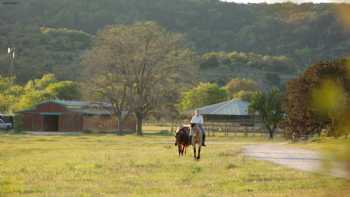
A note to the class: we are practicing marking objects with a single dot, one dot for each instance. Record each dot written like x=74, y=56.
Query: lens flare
x=343, y=13
x=329, y=97
x=330, y=100
x=347, y=66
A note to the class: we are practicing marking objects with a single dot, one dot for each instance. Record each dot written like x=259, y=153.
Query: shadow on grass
x=160, y=133
x=11, y=132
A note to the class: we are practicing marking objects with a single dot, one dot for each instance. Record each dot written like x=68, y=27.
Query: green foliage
x=18, y=123
x=268, y=105
x=201, y=95
x=39, y=90
x=60, y=39
x=244, y=95
x=237, y=88
x=221, y=66
x=9, y=93
x=240, y=60
x=45, y=50
x=14, y=97
x=65, y=90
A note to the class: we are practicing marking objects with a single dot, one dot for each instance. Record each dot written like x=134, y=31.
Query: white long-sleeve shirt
x=197, y=119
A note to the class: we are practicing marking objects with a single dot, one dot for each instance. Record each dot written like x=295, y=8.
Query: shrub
x=18, y=123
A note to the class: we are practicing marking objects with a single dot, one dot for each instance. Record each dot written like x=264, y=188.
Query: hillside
x=303, y=34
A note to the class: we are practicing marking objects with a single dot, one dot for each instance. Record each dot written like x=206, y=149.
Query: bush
x=18, y=123
x=318, y=100
x=201, y=95
x=164, y=132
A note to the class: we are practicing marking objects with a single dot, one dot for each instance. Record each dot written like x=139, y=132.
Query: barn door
x=51, y=122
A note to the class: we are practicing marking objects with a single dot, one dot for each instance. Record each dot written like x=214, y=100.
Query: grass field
x=325, y=144
x=110, y=165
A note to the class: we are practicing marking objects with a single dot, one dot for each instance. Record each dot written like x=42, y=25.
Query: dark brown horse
x=182, y=139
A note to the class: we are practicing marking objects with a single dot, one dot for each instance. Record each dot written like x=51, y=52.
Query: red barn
x=58, y=115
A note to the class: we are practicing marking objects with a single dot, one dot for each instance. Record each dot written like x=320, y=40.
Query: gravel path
x=296, y=158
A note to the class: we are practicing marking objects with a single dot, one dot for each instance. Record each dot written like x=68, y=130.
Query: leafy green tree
x=201, y=95
x=244, y=95
x=209, y=61
x=39, y=90
x=9, y=94
x=65, y=90
x=235, y=86
x=268, y=105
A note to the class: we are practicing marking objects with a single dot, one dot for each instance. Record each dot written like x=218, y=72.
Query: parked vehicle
x=5, y=125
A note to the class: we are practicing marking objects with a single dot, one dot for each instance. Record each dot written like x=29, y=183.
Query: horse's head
x=182, y=135
x=178, y=134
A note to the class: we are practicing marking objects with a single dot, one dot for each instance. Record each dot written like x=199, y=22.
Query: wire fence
x=237, y=127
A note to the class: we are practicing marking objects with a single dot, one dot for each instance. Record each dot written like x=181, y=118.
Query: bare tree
x=141, y=66
x=106, y=77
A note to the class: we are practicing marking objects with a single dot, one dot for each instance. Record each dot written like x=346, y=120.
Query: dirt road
x=296, y=158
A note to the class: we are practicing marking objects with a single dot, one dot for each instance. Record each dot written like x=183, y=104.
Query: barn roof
x=84, y=107
x=71, y=104
x=232, y=107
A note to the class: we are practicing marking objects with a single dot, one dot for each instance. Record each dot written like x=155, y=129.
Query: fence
x=234, y=127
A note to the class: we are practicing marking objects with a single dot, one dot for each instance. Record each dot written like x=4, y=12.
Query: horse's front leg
x=199, y=153
x=179, y=149
x=194, y=151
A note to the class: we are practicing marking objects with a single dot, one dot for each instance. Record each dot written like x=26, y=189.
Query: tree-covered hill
x=303, y=33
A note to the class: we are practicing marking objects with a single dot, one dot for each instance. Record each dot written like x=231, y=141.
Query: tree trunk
x=270, y=130
x=139, y=120
x=120, y=124
x=271, y=133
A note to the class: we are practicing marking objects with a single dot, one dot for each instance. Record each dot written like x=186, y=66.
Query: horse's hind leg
x=179, y=149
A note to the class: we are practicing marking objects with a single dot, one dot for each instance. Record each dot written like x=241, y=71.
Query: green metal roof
x=71, y=104
x=87, y=108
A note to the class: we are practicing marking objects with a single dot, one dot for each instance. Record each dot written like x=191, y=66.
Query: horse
x=197, y=138
x=182, y=139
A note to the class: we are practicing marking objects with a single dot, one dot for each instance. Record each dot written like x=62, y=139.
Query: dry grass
x=109, y=165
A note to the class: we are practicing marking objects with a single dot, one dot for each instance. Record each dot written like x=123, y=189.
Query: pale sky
x=295, y=1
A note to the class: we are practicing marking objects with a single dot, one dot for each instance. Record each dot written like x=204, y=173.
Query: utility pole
x=12, y=54
x=11, y=50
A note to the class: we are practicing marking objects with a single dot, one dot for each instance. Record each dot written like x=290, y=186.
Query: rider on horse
x=197, y=120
